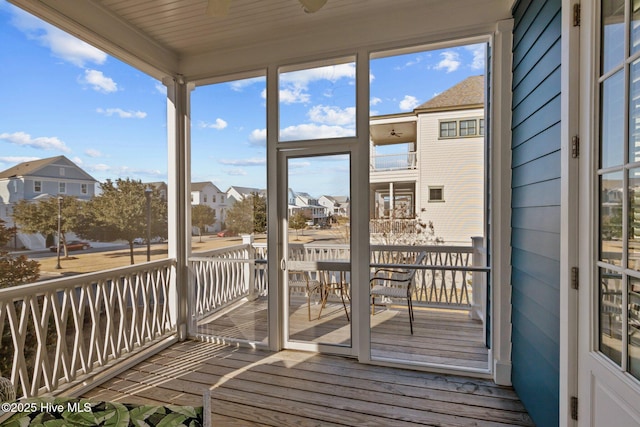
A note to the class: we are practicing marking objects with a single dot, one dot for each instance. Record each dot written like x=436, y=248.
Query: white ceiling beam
x=90, y=22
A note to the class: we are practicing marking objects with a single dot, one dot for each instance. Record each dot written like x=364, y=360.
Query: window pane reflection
x=634, y=327
x=634, y=113
x=635, y=27
x=612, y=125
x=634, y=219
x=611, y=196
x=611, y=314
x=612, y=34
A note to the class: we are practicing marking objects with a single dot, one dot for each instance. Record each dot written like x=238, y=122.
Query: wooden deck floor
x=259, y=388
x=441, y=337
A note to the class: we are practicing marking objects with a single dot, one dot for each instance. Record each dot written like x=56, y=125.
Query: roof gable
x=37, y=168
x=468, y=93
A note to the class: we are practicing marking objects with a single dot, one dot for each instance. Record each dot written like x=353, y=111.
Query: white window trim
x=35, y=190
x=436, y=187
x=62, y=187
x=457, y=121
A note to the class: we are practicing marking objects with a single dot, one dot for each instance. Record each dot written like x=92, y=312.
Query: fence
x=58, y=331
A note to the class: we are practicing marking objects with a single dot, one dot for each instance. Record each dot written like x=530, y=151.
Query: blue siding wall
x=535, y=206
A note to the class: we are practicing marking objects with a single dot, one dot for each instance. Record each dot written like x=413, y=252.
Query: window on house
x=481, y=131
x=192, y=198
x=84, y=188
x=205, y=198
x=436, y=194
x=467, y=127
x=61, y=171
x=213, y=198
x=62, y=187
x=448, y=129
x=221, y=199
x=37, y=186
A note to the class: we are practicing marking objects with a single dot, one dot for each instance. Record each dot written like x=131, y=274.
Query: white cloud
x=313, y=131
x=236, y=172
x=162, y=89
x=77, y=160
x=219, y=124
x=295, y=84
x=297, y=164
x=450, y=61
x=123, y=171
x=408, y=103
x=239, y=85
x=255, y=161
x=478, y=51
x=98, y=81
x=332, y=115
x=61, y=44
x=17, y=159
x=375, y=101
x=92, y=153
x=122, y=113
x=258, y=137
x=295, y=95
x=333, y=73
x=42, y=142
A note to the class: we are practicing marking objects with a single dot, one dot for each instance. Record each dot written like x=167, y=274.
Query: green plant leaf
x=56, y=423
x=18, y=420
x=139, y=415
x=189, y=411
x=172, y=420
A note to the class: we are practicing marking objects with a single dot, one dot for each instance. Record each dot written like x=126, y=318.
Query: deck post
x=250, y=266
x=478, y=280
x=179, y=192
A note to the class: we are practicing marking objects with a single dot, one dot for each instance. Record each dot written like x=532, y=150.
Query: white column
x=391, y=202
x=250, y=266
x=501, y=202
x=179, y=214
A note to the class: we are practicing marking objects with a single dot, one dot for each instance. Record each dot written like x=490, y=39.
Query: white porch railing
x=57, y=332
x=390, y=162
x=450, y=276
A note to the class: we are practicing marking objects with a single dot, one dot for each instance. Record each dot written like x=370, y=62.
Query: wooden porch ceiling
x=167, y=37
x=252, y=387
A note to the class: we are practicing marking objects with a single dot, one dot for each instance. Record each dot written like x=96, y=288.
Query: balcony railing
x=58, y=332
x=449, y=277
x=391, y=162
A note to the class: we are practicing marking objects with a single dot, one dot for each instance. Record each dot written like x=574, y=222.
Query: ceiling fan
x=394, y=133
x=217, y=8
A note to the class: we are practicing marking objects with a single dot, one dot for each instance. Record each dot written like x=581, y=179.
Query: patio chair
x=395, y=283
x=303, y=276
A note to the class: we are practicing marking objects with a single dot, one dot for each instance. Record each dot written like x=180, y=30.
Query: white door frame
x=569, y=208
x=605, y=393
x=283, y=185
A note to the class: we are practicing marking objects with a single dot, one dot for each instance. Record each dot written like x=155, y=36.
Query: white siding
x=456, y=164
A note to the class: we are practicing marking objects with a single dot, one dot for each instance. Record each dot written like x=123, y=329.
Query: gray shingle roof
x=469, y=92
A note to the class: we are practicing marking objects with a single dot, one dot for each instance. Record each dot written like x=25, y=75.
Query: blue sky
x=62, y=96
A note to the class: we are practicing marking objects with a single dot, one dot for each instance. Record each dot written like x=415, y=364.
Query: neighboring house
x=236, y=194
x=300, y=201
x=335, y=205
x=429, y=163
x=160, y=186
x=37, y=179
x=207, y=193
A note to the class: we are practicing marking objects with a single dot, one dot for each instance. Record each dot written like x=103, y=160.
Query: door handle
x=283, y=264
